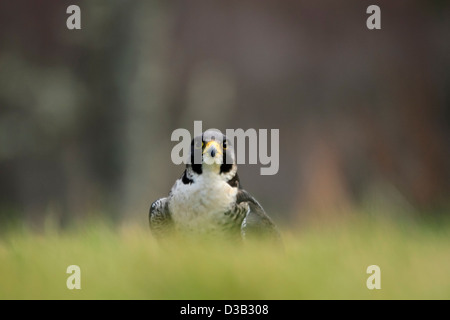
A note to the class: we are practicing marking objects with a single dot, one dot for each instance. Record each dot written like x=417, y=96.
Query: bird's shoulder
x=160, y=219
x=257, y=222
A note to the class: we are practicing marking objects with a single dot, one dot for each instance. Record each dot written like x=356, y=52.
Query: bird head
x=212, y=152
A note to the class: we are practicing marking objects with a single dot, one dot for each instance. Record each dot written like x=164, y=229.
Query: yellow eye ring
x=224, y=145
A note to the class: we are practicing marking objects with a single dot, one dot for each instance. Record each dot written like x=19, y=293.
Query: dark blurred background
x=86, y=115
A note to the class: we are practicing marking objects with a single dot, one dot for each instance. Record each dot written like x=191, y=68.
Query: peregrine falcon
x=208, y=198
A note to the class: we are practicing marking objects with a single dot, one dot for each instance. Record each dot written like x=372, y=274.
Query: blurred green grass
x=318, y=262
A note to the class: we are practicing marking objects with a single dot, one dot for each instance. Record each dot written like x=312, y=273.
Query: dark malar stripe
x=224, y=168
x=185, y=179
x=197, y=168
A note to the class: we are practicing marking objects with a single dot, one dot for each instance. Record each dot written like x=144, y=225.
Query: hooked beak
x=213, y=148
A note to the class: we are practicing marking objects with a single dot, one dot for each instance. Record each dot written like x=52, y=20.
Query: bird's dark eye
x=224, y=145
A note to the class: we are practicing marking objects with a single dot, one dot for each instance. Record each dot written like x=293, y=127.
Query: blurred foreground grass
x=318, y=263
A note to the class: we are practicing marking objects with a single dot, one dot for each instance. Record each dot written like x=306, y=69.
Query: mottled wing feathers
x=160, y=218
x=257, y=223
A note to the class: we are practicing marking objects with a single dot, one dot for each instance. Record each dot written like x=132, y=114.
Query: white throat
x=200, y=206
